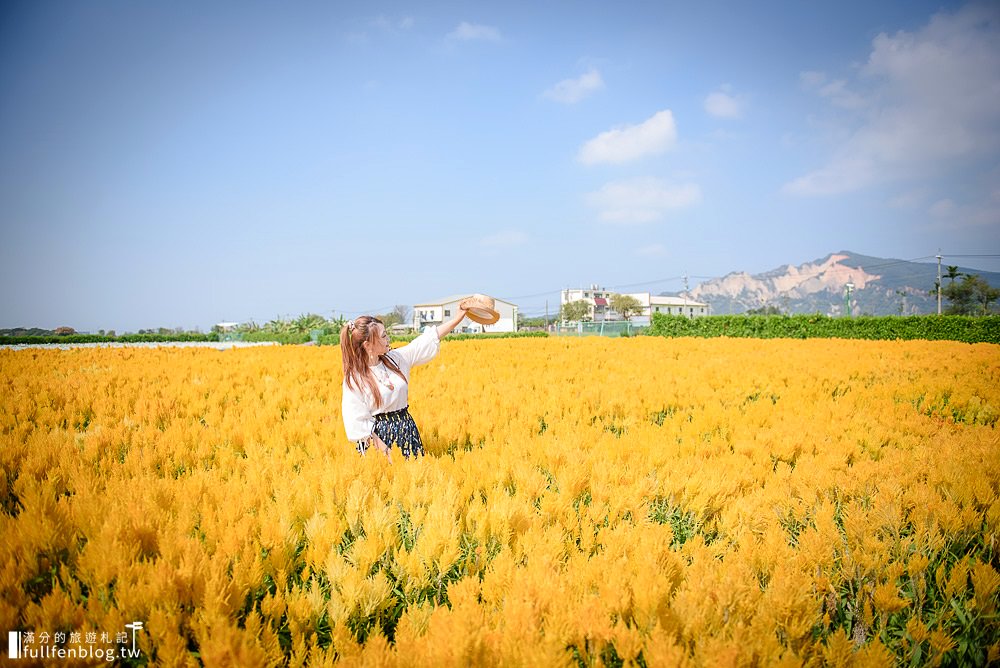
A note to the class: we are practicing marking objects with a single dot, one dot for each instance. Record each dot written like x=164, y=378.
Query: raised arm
x=445, y=328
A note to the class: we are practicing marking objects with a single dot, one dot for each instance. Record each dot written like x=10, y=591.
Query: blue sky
x=182, y=163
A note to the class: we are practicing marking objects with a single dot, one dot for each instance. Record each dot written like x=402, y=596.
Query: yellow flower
x=706, y=502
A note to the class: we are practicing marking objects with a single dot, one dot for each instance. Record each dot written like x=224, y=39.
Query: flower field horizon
x=583, y=502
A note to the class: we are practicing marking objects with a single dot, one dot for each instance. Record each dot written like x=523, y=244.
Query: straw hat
x=481, y=308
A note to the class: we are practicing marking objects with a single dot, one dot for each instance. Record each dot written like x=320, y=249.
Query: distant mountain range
x=881, y=287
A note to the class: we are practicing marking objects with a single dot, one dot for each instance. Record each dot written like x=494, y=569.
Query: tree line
x=971, y=295
x=966, y=294
x=582, y=310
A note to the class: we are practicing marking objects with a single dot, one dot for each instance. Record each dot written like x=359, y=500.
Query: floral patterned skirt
x=397, y=428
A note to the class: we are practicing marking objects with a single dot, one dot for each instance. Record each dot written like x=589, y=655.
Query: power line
x=807, y=274
x=659, y=280
x=382, y=309
x=539, y=294
x=623, y=285
x=838, y=268
x=865, y=267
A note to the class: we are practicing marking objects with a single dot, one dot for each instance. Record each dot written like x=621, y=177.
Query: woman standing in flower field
x=376, y=383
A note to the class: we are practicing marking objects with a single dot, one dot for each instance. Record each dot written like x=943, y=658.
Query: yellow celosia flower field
x=584, y=502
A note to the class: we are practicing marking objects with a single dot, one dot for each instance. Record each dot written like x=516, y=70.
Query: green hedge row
x=493, y=335
x=969, y=329
x=252, y=337
x=97, y=338
x=333, y=340
x=284, y=339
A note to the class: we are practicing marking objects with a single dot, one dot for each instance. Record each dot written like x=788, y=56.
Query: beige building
x=438, y=311
x=596, y=297
x=599, y=301
x=688, y=308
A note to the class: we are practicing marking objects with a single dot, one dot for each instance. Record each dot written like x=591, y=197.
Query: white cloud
x=953, y=216
x=840, y=95
x=721, y=104
x=927, y=103
x=848, y=171
x=641, y=200
x=837, y=92
x=467, y=32
x=812, y=79
x=943, y=208
x=382, y=25
x=652, y=250
x=570, y=91
x=387, y=24
x=504, y=239
x=651, y=137
x=908, y=200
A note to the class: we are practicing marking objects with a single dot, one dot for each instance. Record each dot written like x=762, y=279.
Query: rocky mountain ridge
x=882, y=286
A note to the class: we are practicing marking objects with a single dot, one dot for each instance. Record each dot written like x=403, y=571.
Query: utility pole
x=546, y=315
x=939, y=281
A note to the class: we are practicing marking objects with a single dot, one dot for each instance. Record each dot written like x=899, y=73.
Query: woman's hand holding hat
x=480, y=308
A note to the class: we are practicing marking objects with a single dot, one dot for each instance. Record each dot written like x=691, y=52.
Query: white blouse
x=358, y=405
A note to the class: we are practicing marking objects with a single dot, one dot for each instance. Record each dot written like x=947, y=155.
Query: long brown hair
x=356, y=371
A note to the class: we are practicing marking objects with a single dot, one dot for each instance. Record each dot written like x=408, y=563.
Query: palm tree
x=248, y=327
x=334, y=325
x=279, y=326
x=307, y=322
